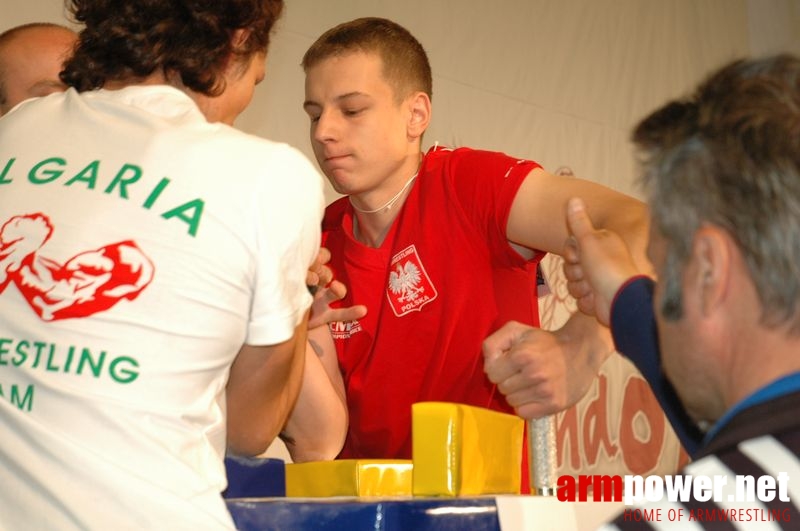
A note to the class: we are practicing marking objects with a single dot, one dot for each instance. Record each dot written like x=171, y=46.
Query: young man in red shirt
x=441, y=247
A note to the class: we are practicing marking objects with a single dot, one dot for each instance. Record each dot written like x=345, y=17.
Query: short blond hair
x=405, y=63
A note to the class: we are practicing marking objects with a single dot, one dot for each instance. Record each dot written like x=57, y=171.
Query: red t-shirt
x=443, y=280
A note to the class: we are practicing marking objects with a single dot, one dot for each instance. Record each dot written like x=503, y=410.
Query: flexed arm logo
x=88, y=283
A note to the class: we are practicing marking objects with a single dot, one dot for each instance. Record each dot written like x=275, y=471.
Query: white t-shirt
x=140, y=247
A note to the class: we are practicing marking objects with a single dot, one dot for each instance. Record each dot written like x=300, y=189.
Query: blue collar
x=780, y=387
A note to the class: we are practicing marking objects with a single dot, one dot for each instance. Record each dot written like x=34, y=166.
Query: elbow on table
x=319, y=451
x=251, y=442
x=324, y=445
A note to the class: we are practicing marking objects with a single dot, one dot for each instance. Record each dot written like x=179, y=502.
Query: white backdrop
x=558, y=81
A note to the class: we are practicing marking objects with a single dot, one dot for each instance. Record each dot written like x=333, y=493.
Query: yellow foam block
x=349, y=477
x=465, y=450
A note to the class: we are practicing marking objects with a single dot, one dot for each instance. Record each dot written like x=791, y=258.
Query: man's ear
x=712, y=255
x=420, y=116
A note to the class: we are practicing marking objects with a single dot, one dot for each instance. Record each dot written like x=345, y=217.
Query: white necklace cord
x=388, y=205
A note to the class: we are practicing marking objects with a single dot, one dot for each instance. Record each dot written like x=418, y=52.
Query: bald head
x=31, y=56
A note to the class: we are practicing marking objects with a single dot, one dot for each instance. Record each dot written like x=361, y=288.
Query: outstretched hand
x=326, y=291
x=596, y=263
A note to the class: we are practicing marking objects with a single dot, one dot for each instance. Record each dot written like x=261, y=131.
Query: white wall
x=559, y=81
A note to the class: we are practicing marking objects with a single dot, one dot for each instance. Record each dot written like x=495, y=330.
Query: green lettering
x=22, y=353
x=70, y=352
x=67, y=359
x=96, y=366
x=123, y=374
x=39, y=345
x=87, y=175
x=50, y=366
x=151, y=199
x=3, y=174
x=25, y=402
x=4, y=350
x=122, y=181
x=193, y=220
x=46, y=175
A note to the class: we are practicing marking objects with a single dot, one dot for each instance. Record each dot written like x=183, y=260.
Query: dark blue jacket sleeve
x=633, y=326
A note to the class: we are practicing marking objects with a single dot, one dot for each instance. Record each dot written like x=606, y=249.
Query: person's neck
x=156, y=78
x=372, y=220
x=762, y=359
x=205, y=103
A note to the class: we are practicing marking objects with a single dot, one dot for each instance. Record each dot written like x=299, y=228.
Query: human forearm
x=630, y=221
x=588, y=346
x=262, y=389
x=317, y=426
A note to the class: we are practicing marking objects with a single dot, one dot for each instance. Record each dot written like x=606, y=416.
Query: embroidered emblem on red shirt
x=410, y=288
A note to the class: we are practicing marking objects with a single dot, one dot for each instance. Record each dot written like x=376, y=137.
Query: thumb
x=578, y=220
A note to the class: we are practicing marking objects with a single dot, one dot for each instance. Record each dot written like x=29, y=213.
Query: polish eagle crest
x=405, y=280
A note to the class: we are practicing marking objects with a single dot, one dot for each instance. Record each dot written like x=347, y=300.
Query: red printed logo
x=410, y=288
x=344, y=329
x=89, y=282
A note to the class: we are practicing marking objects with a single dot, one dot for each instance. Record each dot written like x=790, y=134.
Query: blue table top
x=351, y=514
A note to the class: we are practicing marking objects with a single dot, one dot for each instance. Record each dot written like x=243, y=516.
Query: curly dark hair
x=190, y=38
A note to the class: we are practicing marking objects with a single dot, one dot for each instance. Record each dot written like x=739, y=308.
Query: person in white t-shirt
x=153, y=269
